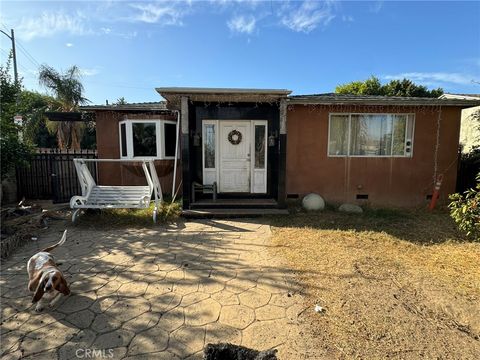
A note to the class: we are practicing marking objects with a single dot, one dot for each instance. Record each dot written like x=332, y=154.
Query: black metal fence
x=51, y=175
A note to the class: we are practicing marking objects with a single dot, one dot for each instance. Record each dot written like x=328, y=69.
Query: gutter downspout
x=177, y=144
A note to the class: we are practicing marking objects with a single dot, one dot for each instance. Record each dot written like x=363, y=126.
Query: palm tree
x=68, y=91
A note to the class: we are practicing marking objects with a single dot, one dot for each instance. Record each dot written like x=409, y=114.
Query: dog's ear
x=39, y=291
x=33, y=283
x=61, y=285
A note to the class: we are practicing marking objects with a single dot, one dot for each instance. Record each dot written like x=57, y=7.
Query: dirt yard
x=402, y=285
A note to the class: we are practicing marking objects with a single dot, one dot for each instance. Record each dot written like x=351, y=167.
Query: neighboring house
x=262, y=146
x=470, y=123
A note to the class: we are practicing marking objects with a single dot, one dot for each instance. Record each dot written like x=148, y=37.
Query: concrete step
x=231, y=213
x=235, y=204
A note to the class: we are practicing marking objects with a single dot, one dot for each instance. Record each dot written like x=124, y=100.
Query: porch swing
x=116, y=197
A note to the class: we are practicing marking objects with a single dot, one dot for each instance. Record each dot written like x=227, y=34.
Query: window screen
x=170, y=136
x=370, y=135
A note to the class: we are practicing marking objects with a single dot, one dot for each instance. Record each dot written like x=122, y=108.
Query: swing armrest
x=77, y=200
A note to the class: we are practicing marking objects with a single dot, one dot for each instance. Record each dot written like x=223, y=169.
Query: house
x=470, y=127
x=262, y=146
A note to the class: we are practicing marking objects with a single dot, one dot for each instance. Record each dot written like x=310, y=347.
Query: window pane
x=399, y=132
x=371, y=135
x=338, y=135
x=170, y=138
x=144, y=139
x=123, y=139
x=209, y=142
x=259, y=146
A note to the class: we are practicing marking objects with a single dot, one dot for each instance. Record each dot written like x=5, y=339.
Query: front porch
x=231, y=207
x=233, y=148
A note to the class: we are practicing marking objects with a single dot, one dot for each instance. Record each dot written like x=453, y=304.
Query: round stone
x=350, y=208
x=313, y=202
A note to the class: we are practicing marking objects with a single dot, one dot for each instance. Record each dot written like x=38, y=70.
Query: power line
x=28, y=55
x=118, y=85
x=7, y=53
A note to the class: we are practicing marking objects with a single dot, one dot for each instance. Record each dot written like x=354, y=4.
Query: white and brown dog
x=46, y=280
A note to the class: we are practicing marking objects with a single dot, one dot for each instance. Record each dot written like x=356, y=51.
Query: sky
x=127, y=48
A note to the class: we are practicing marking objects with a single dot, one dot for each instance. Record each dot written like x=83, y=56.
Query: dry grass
x=130, y=217
x=395, y=283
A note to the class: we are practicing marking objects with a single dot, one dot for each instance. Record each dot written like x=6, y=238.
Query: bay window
x=370, y=135
x=147, y=139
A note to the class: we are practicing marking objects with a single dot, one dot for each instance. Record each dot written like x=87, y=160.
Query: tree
x=68, y=91
x=32, y=106
x=373, y=86
x=13, y=151
x=121, y=101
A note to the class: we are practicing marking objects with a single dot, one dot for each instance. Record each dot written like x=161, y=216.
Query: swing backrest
x=87, y=182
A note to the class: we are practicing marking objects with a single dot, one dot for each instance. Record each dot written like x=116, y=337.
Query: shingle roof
x=332, y=98
x=222, y=91
x=149, y=106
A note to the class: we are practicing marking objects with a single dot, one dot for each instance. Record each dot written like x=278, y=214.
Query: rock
x=312, y=202
x=350, y=208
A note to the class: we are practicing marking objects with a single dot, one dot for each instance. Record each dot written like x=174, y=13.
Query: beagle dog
x=46, y=280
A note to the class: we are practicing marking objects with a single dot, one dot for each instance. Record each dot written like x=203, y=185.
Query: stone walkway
x=158, y=293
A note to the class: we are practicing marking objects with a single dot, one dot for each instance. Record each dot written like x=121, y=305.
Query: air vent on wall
x=362, y=196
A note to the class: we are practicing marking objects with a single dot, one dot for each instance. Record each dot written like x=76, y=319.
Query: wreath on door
x=235, y=137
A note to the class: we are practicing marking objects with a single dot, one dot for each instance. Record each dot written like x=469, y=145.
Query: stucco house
x=259, y=147
x=470, y=127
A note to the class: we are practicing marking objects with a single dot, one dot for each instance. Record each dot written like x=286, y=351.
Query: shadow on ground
x=417, y=226
x=161, y=290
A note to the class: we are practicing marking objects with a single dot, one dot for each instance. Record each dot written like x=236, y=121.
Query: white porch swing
x=122, y=197
x=116, y=197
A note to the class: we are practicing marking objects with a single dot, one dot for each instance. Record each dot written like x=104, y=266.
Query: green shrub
x=465, y=210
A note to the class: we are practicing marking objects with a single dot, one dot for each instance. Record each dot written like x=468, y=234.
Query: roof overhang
x=67, y=116
x=174, y=94
x=380, y=100
x=154, y=107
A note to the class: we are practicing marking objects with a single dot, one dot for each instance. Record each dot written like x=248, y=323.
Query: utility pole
x=17, y=119
x=14, y=53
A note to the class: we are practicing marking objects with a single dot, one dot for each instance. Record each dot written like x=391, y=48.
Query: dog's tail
x=61, y=242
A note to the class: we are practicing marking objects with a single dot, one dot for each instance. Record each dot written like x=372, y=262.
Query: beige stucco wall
x=470, y=129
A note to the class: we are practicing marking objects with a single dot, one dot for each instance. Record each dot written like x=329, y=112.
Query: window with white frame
x=370, y=135
x=147, y=139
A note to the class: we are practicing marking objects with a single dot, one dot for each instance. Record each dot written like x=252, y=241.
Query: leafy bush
x=465, y=210
x=13, y=150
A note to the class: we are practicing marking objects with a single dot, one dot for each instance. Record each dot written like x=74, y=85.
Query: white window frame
x=254, y=188
x=410, y=119
x=210, y=175
x=160, y=137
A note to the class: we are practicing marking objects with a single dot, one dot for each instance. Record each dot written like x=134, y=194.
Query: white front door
x=235, y=147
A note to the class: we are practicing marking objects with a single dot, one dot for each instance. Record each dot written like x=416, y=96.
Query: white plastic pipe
x=176, y=155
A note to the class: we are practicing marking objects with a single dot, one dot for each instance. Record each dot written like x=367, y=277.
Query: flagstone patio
x=161, y=292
